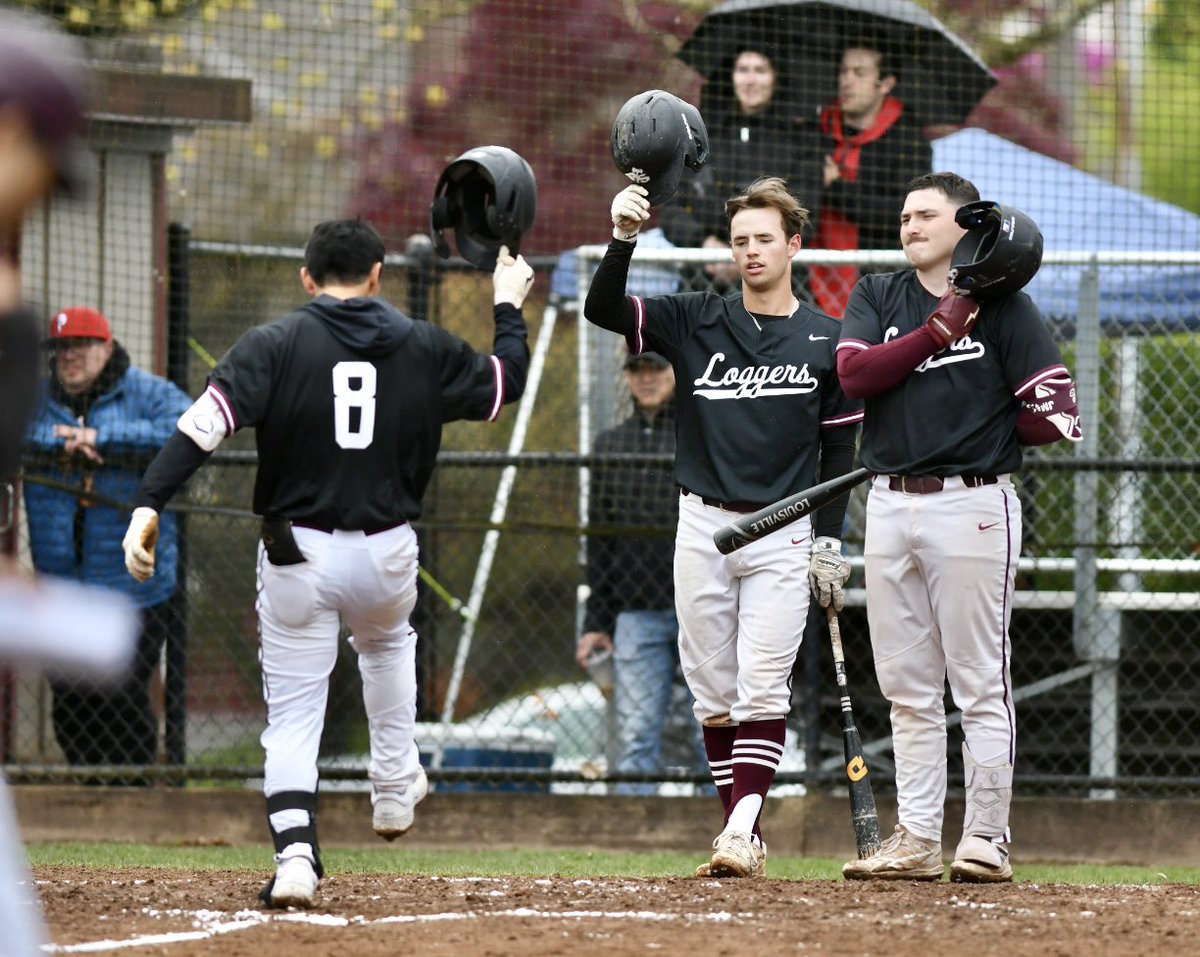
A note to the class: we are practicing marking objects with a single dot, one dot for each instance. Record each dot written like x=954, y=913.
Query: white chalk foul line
x=212, y=923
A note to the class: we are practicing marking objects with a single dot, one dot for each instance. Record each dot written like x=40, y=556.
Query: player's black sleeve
x=175, y=463
x=510, y=346
x=606, y=304
x=837, y=458
x=19, y=366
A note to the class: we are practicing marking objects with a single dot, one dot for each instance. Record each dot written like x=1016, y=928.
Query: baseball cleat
x=295, y=882
x=902, y=857
x=394, y=810
x=979, y=860
x=736, y=854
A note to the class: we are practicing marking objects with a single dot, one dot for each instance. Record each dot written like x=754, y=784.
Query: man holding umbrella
x=876, y=148
x=753, y=131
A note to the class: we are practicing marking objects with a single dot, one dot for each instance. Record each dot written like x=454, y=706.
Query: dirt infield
x=215, y=913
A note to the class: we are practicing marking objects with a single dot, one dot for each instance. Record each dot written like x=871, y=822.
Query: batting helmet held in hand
x=488, y=196
x=1001, y=252
x=654, y=137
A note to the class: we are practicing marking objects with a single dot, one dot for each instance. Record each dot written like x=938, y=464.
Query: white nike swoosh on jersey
x=812, y=338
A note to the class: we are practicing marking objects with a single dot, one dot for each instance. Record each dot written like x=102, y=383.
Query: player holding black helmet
x=954, y=386
x=347, y=397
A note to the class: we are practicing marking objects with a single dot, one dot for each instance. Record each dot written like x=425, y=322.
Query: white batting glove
x=512, y=278
x=140, y=539
x=828, y=572
x=630, y=209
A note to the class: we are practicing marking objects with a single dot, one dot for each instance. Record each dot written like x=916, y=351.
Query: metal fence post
x=1096, y=633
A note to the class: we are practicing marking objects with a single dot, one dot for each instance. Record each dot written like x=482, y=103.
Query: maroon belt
x=924, y=484
x=329, y=529
x=741, y=507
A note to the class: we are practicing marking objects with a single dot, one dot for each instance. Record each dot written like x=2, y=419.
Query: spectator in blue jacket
x=98, y=423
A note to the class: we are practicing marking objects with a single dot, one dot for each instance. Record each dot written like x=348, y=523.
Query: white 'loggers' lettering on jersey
x=961, y=350
x=752, y=381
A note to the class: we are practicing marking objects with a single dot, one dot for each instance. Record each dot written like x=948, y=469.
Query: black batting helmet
x=1001, y=252
x=488, y=196
x=656, y=135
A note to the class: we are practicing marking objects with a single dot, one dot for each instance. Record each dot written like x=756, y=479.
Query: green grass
x=572, y=864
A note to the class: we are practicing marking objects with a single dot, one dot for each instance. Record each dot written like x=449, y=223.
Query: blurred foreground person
x=41, y=111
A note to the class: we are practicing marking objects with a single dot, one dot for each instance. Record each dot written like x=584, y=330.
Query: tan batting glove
x=828, y=572
x=630, y=208
x=140, y=539
x=512, y=278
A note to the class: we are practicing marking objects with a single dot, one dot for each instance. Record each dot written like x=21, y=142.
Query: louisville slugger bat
x=751, y=528
x=862, y=797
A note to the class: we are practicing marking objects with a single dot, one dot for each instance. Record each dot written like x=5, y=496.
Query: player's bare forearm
x=606, y=305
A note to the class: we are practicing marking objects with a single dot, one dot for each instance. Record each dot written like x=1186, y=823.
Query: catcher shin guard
x=982, y=854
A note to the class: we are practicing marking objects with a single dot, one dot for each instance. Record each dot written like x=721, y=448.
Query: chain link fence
x=1104, y=625
x=250, y=122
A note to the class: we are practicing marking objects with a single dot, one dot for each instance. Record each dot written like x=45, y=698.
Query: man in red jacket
x=876, y=149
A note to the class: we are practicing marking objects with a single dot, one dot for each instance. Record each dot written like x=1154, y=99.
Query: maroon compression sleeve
x=875, y=369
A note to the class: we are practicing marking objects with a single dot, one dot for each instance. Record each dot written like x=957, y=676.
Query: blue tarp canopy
x=1078, y=212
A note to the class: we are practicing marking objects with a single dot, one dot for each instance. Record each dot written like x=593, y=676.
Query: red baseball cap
x=79, y=322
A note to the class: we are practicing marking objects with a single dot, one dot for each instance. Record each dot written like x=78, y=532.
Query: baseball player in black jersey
x=953, y=388
x=347, y=396
x=760, y=415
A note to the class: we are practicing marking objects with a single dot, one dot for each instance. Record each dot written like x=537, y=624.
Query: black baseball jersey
x=957, y=412
x=348, y=399
x=752, y=392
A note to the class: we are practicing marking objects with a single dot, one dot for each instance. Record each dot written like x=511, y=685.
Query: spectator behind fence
x=98, y=422
x=631, y=604
x=874, y=149
x=753, y=132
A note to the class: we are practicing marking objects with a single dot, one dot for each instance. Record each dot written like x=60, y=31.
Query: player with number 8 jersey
x=347, y=396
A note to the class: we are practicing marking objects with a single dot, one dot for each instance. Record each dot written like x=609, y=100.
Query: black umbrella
x=941, y=78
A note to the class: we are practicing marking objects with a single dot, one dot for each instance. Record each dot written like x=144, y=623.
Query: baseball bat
x=862, y=797
x=735, y=535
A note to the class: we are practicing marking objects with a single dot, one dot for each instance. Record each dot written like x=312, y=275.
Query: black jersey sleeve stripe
x=226, y=408
x=498, y=402
x=1049, y=372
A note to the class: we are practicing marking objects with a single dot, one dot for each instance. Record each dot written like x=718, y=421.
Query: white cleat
x=902, y=857
x=979, y=860
x=736, y=854
x=394, y=810
x=295, y=880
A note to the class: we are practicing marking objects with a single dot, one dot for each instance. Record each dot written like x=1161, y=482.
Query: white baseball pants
x=940, y=572
x=371, y=582
x=741, y=616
